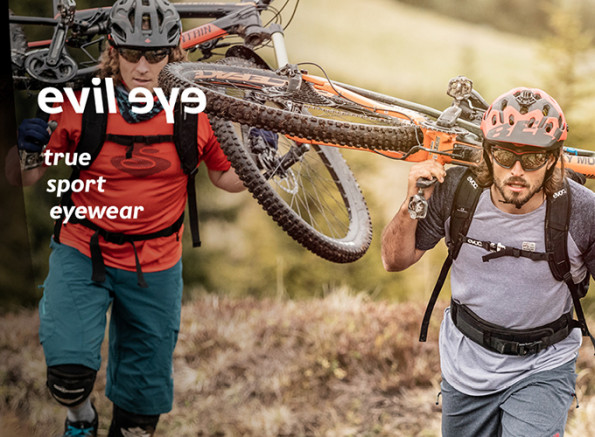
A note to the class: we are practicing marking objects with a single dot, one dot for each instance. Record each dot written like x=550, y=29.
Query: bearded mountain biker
x=508, y=346
x=132, y=264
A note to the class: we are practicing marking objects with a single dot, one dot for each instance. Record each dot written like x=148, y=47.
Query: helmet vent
x=511, y=120
x=146, y=22
x=546, y=109
x=531, y=122
x=525, y=97
x=549, y=127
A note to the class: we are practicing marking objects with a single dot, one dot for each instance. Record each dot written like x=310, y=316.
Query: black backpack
x=93, y=135
x=556, y=237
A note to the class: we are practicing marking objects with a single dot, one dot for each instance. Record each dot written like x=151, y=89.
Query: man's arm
x=226, y=180
x=398, y=238
x=14, y=175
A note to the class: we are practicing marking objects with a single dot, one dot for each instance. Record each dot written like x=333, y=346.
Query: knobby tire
x=265, y=100
x=316, y=200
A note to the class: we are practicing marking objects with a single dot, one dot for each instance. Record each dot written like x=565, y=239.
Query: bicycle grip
x=425, y=182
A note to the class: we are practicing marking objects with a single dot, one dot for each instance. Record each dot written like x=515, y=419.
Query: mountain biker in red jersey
x=495, y=383
x=139, y=276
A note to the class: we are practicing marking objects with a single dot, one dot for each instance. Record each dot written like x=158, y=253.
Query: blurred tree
x=565, y=50
x=521, y=17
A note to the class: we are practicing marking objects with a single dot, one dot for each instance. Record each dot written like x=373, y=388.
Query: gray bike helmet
x=144, y=24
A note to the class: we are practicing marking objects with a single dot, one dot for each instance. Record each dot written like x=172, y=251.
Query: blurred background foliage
x=406, y=48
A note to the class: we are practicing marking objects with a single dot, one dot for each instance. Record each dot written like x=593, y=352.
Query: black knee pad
x=123, y=421
x=70, y=384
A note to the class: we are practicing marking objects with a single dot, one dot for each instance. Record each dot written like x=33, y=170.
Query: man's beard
x=513, y=198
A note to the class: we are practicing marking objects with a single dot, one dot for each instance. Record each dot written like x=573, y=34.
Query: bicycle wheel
x=308, y=190
x=268, y=100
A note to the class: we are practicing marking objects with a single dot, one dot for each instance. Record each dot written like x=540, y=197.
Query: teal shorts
x=143, y=328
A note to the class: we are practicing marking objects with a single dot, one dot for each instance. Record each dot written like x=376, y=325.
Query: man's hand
x=398, y=239
x=427, y=170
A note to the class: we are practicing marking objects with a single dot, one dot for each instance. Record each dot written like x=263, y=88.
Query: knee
x=70, y=384
x=124, y=422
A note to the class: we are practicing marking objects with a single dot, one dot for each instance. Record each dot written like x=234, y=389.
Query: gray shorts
x=535, y=406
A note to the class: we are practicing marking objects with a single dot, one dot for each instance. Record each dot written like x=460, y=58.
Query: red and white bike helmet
x=525, y=116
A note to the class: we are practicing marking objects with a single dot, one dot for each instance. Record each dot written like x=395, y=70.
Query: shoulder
x=582, y=202
x=445, y=191
x=582, y=213
x=441, y=200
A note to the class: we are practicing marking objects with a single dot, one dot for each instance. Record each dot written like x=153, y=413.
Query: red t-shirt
x=148, y=189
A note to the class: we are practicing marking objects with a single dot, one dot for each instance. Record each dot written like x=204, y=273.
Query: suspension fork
x=279, y=47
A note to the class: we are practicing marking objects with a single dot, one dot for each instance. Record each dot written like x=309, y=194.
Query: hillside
x=342, y=365
x=326, y=363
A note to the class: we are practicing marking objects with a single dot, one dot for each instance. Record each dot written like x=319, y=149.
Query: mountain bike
x=307, y=108
x=282, y=128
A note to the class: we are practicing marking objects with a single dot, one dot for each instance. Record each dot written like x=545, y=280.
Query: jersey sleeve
x=211, y=152
x=432, y=229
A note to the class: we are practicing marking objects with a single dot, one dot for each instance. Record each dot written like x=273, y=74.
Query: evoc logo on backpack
x=559, y=193
x=472, y=182
x=474, y=242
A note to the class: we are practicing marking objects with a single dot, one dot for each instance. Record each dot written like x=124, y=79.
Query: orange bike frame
x=437, y=144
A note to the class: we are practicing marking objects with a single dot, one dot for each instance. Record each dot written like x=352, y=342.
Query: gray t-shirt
x=515, y=293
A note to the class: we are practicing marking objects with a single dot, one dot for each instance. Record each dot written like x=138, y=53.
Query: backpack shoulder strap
x=463, y=208
x=186, y=141
x=93, y=127
x=556, y=232
x=461, y=214
x=557, y=219
x=185, y=138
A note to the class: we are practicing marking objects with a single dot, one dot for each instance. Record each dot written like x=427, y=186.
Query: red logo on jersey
x=143, y=161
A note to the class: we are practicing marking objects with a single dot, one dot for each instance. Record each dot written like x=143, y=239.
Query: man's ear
x=553, y=159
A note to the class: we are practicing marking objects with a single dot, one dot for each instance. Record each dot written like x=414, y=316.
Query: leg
x=143, y=333
x=70, y=384
x=538, y=406
x=464, y=415
x=140, y=425
x=72, y=311
x=72, y=325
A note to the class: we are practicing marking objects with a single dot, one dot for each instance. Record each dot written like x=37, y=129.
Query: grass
x=341, y=365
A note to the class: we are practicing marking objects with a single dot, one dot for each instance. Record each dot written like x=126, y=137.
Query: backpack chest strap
x=130, y=140
x=498, y=250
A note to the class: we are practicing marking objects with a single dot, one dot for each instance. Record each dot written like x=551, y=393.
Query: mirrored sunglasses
x=530, y=161
x=152, y=56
